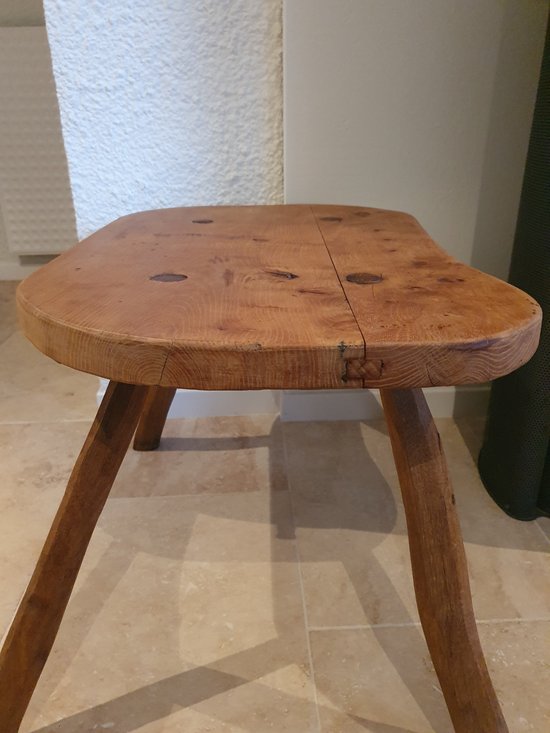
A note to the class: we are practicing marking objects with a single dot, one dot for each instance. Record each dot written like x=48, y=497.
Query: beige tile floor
x=251, y=575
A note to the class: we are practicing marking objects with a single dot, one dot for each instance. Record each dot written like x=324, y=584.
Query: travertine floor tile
x=518, y=656
x=509, y=560
x=34, y=388
x=382, y=680
x=210, y=455
x=37, y=460
x=155, y=643
x=187, y=613
x=352, y=534
x=377, y=681
x=148, y=632
x=351, y=531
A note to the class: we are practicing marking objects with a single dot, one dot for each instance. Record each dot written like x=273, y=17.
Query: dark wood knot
x=168, y=277
x=282, y=274
x=364, y=278
x=202, y=221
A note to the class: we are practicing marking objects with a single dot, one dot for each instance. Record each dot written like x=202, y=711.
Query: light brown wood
x=260, y=305
x=34, y=628
x=427, y=320
x=153, y=418
x=265, y=297
x=439, y=565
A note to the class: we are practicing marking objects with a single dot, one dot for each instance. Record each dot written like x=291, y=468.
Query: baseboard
x=337, y=404
x=366, y=404
x=198, y=403
x=203, y=403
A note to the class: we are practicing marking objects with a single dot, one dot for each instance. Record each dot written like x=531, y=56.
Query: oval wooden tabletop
x=259, y=297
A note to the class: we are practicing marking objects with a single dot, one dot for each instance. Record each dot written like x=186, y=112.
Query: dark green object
x=514, y=462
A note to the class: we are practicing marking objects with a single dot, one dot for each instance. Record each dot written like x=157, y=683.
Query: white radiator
x=35, y=195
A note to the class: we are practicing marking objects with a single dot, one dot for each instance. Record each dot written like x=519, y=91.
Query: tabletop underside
x=275, y=297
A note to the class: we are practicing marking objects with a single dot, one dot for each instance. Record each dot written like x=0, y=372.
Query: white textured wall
x=167, y=103
x=421, y=105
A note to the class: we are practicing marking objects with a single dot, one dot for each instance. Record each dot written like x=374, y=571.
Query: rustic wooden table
x=272, y=297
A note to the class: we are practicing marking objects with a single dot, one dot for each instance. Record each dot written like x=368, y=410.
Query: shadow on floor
x=353, y=495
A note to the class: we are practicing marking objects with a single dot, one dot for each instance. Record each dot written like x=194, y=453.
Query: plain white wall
x=168, y=103
x=423, y=106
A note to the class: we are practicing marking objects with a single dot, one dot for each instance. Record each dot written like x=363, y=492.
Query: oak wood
x=439, y=566
x=426, y=319
x=33, y=630
x=259, y=297
x=153, y=418
x=260, y=307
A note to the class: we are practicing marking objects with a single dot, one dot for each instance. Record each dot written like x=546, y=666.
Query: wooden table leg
x=439, y=565
x=153, y=418
x=32, y=633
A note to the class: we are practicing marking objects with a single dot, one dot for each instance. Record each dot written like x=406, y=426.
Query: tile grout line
x=362, y=627
x=302, y=593
x=415, y=624
x=535, y=619
x=46, y=422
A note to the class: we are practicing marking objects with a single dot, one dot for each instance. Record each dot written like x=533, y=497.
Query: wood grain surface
x=153, y=418
x=439, y=566
x=260, y=297
x=32, y=633
x=427, y=320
